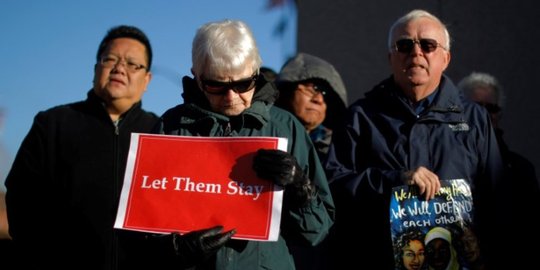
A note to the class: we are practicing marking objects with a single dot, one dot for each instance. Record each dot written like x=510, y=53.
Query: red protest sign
x=181, y=184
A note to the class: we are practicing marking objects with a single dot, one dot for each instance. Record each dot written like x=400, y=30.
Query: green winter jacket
x=306, y=226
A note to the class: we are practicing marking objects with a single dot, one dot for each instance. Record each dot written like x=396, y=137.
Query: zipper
x=228, y=129
x=116, y=155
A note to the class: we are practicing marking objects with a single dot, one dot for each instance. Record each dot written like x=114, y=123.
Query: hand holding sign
x=184, y=183
x=191, y=248
x=283, y=169
x=198, y=246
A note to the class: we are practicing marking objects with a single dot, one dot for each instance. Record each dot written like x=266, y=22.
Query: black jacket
x=64, y=186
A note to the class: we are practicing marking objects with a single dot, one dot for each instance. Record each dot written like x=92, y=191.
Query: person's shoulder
x=59, y=115
x=61, y=109
x=521, y=163
x=274, y=109
x=472, y=108
x=149, y=114
x=380, y=92
x=145, y=119
x=281, y=114
x=366, y=104
x=284, y=119
x=174, y=111
x=172, y=116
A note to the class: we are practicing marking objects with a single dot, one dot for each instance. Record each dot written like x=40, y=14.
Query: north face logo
x=459, y=127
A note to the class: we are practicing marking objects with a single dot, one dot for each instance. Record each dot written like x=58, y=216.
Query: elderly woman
x=227, y=97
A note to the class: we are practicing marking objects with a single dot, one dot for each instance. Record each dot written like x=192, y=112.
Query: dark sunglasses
x=311, y=89
x=427, y=45
x=221, y=88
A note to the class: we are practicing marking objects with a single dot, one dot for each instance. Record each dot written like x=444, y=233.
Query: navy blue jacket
x=383, y=138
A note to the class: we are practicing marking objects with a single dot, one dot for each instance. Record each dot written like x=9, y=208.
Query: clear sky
x=48, y=50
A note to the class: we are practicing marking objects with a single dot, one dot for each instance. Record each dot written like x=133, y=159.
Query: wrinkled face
x=230, y=102
x=308, y=105
x=116, y=81
x=413, y=255
x=419, y=67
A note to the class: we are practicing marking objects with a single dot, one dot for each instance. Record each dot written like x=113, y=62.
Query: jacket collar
x=447, y=105
x=449, y=99
x=98, y=104
x=198, y=112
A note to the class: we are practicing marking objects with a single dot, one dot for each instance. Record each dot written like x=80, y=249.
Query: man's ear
x=447, y=58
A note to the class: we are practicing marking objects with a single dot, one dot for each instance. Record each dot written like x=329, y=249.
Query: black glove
x=197, y=246
x=194, y=247
x=282, y=168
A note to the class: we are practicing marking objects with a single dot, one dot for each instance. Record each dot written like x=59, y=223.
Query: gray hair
x=222, y=47
x=479, y=79
x=411, y=16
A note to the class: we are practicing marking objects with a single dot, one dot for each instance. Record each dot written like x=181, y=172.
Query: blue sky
x=48, y=50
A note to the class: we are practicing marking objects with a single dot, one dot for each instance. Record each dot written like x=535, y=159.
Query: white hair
x=222, y=47
x=411, y=16
x=479, y=79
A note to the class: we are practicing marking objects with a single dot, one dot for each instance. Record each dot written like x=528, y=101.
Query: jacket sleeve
x=349, y=165
x=309, y=225
x=30, y=218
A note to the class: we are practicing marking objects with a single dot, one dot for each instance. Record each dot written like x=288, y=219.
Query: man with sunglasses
x=228, y=97
x=414, y=129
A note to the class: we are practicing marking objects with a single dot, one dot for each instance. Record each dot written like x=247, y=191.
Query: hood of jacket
x=305, y=66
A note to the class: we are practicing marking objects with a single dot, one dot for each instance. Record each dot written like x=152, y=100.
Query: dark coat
x=384, y=137
x=306, y=226
x=65, y=183
x=525, y=190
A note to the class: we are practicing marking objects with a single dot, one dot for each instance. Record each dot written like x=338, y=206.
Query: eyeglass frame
x=427, y=45
x=311, y=93
x=130, y=66
x=229, y=85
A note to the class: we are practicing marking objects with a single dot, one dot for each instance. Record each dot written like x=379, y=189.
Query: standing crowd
x=415, y=128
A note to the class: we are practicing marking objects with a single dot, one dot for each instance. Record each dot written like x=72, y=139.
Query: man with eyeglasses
x=227, y=97
x=413, y=128
x=64, y=185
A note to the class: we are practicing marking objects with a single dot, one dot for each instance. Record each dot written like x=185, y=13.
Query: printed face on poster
x=181, y=184
x=434, y=234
